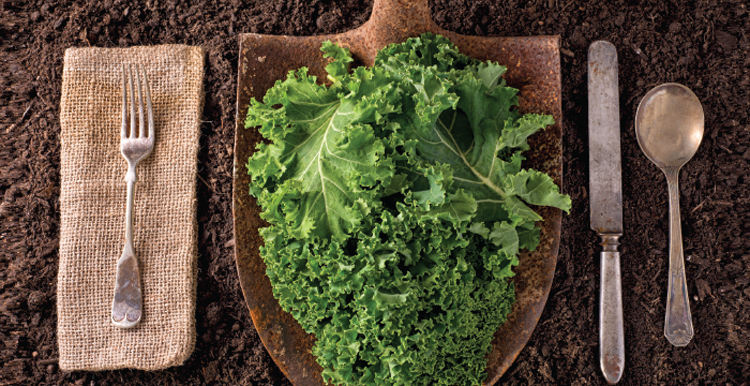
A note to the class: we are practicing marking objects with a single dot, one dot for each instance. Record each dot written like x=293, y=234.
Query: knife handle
x=611, y=336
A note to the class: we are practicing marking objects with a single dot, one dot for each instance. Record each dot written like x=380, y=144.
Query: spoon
x=669, y=128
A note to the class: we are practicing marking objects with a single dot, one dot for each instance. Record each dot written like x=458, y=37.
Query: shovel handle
x=411, y=15
x=403, y=6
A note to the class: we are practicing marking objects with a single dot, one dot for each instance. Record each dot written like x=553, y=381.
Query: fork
x=127, y=304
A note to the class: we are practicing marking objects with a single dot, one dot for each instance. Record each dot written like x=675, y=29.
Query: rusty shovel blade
x=533, y=68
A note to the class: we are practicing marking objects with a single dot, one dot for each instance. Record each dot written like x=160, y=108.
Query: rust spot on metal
x=612, y=364
x=533, y=67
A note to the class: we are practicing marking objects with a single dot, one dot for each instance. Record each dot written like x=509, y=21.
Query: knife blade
x=605, y=191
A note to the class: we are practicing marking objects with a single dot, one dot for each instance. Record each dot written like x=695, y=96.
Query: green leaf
x=340, y=57
x=516, y=133
x=328, y=145
x=459, y=208
x=472, y=135
x=504, y=235
x=398, y=207
x=538, y=188
x=490, y=74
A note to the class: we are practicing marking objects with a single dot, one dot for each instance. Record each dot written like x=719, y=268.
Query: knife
x=605, y=190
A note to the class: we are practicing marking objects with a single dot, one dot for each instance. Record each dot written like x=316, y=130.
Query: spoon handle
x=678, y=323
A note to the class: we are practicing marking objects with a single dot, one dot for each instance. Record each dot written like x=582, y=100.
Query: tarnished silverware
x=605, y=185
x=669, y=128
x=127, y=304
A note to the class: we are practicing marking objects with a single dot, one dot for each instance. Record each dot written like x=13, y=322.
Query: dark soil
x=702, y=44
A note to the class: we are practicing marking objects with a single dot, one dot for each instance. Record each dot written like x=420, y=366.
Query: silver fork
x=127, y=304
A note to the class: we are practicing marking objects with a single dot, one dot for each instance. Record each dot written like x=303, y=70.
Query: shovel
x=533, y=67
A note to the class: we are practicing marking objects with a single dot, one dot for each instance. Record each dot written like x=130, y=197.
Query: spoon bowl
x=669, y=125
x=669, y=128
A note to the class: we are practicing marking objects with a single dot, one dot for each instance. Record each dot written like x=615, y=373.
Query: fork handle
x=127, y=304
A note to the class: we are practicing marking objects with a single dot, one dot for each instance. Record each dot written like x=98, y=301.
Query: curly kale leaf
x=419, y=307
x=398, y=207
x=324, y=154
x=463, y=119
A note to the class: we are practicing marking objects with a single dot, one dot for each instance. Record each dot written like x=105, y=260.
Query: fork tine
x=141, y=126
x=132, y=103
x=148, y=105
x=124, y=130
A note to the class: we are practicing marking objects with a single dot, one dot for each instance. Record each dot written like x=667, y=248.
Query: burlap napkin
x=92, y=204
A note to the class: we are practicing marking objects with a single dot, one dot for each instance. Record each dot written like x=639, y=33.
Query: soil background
x=702, y=44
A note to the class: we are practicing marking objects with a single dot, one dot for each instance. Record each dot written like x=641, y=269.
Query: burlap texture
x=92, y=204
